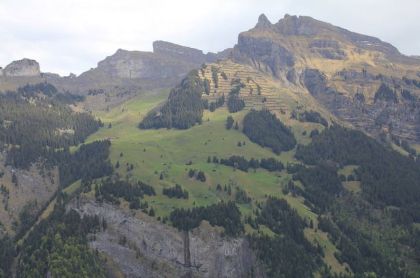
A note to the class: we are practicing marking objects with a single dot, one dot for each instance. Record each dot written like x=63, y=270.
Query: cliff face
x=143, y=247
x=343, y=70
x=187, y=53
x=167, y=61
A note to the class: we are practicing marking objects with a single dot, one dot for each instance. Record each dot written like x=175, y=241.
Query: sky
x=73, y=35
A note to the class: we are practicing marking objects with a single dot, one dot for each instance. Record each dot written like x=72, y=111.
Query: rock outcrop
x=143, y=247
x=167, y=61
x=22, y=68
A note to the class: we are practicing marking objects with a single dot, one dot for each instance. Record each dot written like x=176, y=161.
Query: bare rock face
x=263, y=53
x=22, y=68
x=144, y=247
x=397, y=113
x=182, y=52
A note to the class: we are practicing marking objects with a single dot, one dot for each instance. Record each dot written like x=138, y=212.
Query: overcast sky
x=73, y=35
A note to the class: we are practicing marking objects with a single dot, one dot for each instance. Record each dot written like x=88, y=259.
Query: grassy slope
x=167, y=151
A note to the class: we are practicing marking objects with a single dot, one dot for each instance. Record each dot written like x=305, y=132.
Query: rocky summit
x=21, y=68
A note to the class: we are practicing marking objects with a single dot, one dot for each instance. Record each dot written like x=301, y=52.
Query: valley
x=293, y=154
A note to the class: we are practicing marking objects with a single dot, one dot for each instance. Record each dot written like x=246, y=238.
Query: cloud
x=73, y=35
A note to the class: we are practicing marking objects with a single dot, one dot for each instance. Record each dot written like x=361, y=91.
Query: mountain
x=119, y=76
x=161, y=68
x=293, y=154
x=301, y=89
x=345, y=71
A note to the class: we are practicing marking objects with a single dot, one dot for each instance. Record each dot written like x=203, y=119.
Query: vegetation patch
x=183, y=109
x=265, y=129
x=311, y=117
x=226, y=215
x=288, y=253
x=175, y=192
x=241, y=163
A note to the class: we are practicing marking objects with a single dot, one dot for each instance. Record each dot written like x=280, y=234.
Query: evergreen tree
x=229, y=122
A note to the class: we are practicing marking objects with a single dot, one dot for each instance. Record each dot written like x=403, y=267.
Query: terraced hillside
x=260, y=91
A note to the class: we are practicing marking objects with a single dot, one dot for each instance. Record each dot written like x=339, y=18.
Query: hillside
x=275, y=68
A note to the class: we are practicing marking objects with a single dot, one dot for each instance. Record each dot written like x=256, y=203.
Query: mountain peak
x=263, y=22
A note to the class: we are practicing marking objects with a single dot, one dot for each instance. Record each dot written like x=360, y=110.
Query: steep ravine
x=143, y=247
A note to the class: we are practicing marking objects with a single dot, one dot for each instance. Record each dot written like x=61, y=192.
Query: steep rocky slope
x=144, y=247
x=24, y=192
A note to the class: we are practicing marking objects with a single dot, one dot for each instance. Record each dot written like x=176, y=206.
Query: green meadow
x=163, y=157
x=168, y=152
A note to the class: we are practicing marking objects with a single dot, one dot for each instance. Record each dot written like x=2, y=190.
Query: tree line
x=175, y=192
x=241, y=163
x=112, y=189
x=226, y=215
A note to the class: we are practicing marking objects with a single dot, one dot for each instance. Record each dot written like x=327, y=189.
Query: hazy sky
x=73, y=35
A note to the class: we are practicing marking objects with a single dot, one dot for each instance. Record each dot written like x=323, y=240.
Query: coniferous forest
x=264, y=128
x=35, y=120
x=183, y=109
